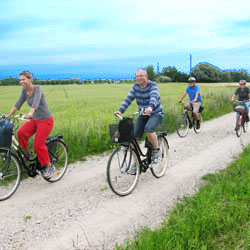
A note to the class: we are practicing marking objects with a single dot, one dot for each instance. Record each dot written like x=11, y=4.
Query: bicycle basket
x=122, y=132
x=239, y=108
x=6, y=130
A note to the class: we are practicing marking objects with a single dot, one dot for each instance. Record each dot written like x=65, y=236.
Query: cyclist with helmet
x=195, y=99
x=244, y=95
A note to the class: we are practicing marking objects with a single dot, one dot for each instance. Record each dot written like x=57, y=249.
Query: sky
x=113, y=38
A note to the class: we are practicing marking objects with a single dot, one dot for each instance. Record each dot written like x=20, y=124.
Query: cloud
x=62, y=32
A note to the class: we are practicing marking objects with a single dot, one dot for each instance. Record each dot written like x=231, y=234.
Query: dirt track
x=81, y=212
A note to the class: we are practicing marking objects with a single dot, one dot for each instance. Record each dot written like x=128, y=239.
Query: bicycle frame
x=144, y=163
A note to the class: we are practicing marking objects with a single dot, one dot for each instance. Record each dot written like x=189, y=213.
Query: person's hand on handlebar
x=179, y=100
x=118, y=112
x=233, y=100
x=148, y=111
x=27, y=116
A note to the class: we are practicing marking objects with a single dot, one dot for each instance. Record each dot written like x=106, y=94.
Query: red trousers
x=42, y=128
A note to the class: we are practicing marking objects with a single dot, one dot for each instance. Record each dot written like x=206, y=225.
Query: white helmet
x=242, y=82
x=191, y=79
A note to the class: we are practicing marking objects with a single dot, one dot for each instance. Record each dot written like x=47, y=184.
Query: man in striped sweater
x=147, y=97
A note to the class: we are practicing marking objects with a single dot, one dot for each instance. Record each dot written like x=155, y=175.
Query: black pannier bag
x=6, y=131
x=200, y=109
x=122, y=132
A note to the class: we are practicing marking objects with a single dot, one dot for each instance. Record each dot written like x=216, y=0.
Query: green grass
x=216, y=217
x=82, y=113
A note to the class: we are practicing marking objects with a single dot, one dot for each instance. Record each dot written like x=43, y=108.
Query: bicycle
x=241, y=118
x=128, y=152
x=12, y=160
x=184, y=122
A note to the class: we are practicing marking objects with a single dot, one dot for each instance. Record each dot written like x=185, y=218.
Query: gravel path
x=81, y=212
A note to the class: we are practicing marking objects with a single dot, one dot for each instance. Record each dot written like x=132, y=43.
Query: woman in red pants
x=40, y=121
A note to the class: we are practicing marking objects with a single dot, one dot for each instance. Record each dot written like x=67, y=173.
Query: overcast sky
x=118, y=33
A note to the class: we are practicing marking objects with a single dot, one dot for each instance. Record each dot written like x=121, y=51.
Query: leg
x=24, y=133
x=153, y=122
x=44, y=128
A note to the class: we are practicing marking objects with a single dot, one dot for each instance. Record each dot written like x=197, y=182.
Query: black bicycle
x=241, y=118
x=187, y=121
x=12, y=159
x=129, y=155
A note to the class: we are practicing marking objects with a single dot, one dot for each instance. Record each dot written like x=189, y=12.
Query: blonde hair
x=26, y=74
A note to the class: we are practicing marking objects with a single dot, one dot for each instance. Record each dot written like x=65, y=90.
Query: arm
x=12, y=112
x=183, y=96
x=127, y=101
x=35, y=104
x=196, y=97
x=233, y=97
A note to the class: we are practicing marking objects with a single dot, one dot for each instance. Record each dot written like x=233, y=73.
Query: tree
x=205, y=72
x=151, y=73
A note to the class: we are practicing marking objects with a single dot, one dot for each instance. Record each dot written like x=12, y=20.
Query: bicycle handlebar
x=139, y=112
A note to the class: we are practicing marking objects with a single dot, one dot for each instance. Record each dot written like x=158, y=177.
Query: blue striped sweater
x=145, y=97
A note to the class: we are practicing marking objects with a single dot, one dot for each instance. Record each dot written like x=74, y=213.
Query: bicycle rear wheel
x=159, y=169
x=10, y=175
x=197, y=131
x=182, y=125
x=120, y=162
x=58, y=155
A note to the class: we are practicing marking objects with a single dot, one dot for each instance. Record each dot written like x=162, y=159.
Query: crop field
x=82, y=113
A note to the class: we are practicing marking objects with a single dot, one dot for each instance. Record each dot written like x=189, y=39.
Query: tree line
x=203, y=72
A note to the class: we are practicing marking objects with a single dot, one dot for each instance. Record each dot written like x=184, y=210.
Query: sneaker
x=198, y=125
x=48, y=172
x=132, y=170
x=156, y=156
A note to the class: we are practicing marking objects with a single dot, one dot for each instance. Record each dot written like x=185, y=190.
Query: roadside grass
x=216, y=217
x=82, y=113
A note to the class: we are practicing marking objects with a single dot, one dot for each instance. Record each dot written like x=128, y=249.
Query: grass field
x=82, y=113
x=216, y=217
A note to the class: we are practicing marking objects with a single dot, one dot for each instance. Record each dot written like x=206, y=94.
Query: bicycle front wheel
x=198, y=130
x=120, y=179
x=182, y=125
x=58, y=155
x=245, y=125
x=159, y=169
x=238, y=128
x=10, y=175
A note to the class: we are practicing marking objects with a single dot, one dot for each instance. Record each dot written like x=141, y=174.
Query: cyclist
x=244, y=95
x=194, y=99
x=147, y=97
x=40, y=121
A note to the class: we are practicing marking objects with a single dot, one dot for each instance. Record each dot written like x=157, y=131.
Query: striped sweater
x=145, y=97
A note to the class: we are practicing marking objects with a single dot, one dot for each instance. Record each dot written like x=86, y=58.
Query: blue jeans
x=147, y=124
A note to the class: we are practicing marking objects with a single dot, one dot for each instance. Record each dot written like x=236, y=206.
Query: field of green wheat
x=82, y=113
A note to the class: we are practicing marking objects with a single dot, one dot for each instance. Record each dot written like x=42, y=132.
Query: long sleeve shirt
x=145, y=97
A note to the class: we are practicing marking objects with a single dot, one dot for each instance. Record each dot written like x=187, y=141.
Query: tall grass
x=82, y=113
x=217, y=217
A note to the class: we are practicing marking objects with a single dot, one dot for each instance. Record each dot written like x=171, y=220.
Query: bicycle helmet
x=191, y=79
x=241, y=82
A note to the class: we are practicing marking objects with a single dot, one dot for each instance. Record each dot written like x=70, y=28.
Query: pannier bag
x=122, y=132
x=200, y=109
x=6, y=130
x=239, y=108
